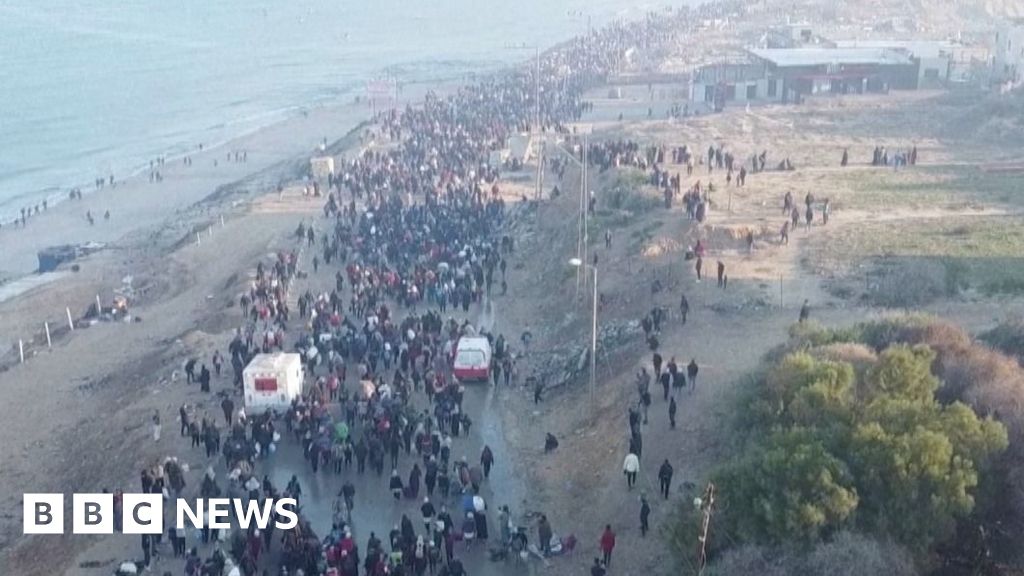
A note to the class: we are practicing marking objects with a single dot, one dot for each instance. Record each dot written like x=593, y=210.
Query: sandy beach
x=136, y=203
x=157, y=215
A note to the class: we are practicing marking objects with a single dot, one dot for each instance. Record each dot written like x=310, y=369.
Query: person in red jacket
x=607, y=544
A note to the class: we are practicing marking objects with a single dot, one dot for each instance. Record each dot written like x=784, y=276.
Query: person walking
x=805, y=311
x=190, y=370
x=228, y=407
x=156, y=425
x=672, y=413
x=544, y=534
x=204, y=379
x=396, y=486
x=665, y=478
x=427, y=509
x=691, y=373
x=630, y=467
x=607, y=544
x=487, y=460
x=645, y=514
x=183, y=417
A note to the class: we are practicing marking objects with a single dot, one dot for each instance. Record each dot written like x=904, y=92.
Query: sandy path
x=94, y=395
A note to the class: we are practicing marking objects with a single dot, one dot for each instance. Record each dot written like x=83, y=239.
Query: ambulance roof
x=274, y=362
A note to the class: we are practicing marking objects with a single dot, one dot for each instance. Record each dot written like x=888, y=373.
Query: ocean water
x=90, y=88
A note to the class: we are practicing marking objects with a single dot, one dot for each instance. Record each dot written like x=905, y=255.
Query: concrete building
x=791, y=35
x=934, y=58
x=1008, y=56
x=740, y=82
x=801, y=72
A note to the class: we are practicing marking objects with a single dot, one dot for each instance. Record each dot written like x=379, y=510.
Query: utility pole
x=586, y=206
x=536, y=91
x=538, y=194
x=580, y=254
x=593, y=345
x=536, y=132
x=707, y=504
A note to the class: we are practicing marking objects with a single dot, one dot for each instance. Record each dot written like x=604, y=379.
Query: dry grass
x=1007, y=337
x=847, y=554
x=911, y=263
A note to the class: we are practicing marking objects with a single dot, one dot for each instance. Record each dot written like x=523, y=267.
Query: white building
x=1008, y=56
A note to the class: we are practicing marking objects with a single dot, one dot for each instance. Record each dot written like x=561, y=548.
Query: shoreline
x=135, y=204
x=58, y=195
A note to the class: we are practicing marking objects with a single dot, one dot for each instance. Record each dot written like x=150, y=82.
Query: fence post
x=71, y=323
x=49, y=343
x=21, y=350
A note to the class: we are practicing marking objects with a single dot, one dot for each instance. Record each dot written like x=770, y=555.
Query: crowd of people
x=413, y=239
x=412, y=236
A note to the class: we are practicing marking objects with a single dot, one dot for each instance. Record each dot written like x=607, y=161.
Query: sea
x=90, y=88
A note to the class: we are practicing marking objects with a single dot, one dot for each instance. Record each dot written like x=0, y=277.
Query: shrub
x=858, y=356
x=850, y=554
x=626, y=192
x=791, y=489
x=1007, y=337
x=832, y=449
x=847, y=554
x=911, y=284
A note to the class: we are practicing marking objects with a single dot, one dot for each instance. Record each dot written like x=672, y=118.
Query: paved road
x=377, y=511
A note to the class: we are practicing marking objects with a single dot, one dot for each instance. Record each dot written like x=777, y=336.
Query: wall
x=1008, y=63
x=700, y=90
x=933, y=72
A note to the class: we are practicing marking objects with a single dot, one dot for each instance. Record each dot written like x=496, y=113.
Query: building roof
x=793, y=57
x=918, y=48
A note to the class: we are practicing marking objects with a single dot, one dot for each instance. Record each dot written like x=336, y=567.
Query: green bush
x=788, y=489
x=626, y=192
x=834, y=449
x=886, y=411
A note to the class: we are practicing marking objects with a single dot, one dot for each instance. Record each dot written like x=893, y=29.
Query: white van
x=271, y=382
x=472, y=361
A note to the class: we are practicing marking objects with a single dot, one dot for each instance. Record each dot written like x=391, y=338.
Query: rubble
x=754, y=304
x=564, y=366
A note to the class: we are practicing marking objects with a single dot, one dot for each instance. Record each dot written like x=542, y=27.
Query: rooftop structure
x=803, y=57
x=913, y=48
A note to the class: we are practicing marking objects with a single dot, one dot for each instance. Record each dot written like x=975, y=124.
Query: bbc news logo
x=144, y=513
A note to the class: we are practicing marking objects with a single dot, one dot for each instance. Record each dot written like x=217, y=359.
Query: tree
x=915, y=460
x=882, y=454
x=810, y=393
x=791, y=488
x=903, y=372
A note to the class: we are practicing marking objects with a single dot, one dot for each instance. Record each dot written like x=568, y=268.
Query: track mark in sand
x=284, y=207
